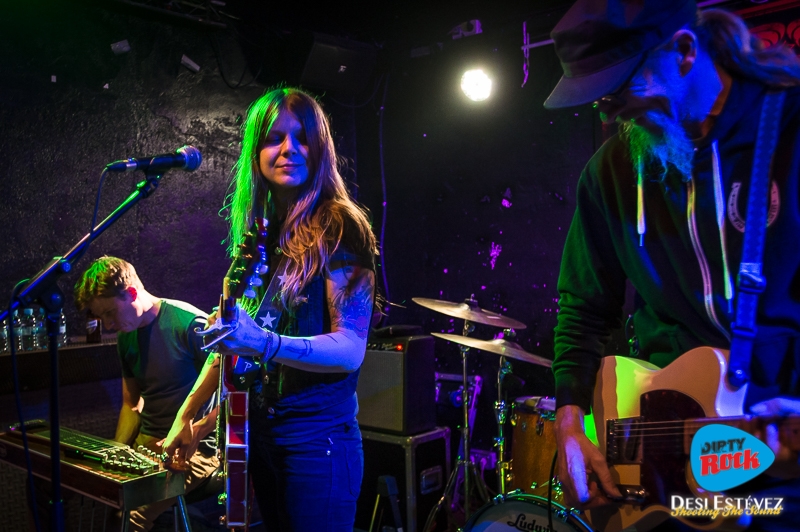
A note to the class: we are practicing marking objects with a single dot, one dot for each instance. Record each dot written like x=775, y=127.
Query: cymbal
x=499, y=346
x=470, y=311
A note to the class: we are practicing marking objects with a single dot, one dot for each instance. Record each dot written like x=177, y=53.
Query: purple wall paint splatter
x=494, y=253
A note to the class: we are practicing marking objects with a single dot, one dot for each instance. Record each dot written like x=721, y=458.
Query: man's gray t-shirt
x=165, y=358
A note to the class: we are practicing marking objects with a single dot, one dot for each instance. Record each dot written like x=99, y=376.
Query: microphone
x=185, y=157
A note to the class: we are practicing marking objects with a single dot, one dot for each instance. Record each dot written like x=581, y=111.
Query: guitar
x=632, y=396
x=111, y=455
x=236, y=373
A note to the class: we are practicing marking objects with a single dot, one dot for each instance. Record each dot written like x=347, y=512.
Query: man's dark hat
x=601, y=42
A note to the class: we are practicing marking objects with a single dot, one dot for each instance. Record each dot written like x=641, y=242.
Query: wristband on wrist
x=268, y=347
x=278, y=348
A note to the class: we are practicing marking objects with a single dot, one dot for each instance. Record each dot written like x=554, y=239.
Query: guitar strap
x=269, y=312
x=751, y=281
x=246, y=370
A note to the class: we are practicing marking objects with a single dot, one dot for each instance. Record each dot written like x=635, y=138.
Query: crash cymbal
x=470, y=311
x=499, y=346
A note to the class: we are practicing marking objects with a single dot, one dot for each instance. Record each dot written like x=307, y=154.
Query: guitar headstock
x=243, y=277
x=250, y=263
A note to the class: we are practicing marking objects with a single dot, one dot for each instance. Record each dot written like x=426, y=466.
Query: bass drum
x=524, y=512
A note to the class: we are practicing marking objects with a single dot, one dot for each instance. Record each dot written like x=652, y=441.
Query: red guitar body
x=237, y=482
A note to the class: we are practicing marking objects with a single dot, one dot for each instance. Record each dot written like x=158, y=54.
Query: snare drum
x=519, y=511
x=533, y=445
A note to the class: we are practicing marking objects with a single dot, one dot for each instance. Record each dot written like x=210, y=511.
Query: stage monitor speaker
x=338, y=65
x=397, y=385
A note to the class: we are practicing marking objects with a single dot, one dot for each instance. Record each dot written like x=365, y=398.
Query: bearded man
x=661, y=205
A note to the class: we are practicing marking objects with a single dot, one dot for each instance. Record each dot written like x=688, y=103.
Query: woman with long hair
x=308, y=323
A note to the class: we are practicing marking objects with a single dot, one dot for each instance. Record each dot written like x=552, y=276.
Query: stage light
x=476, y=85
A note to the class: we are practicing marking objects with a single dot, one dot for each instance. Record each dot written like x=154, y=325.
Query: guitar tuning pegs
x=249, y=293
x=256, y=281
x=262, y=269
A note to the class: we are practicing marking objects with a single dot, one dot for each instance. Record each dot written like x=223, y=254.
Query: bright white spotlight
x=476, y=85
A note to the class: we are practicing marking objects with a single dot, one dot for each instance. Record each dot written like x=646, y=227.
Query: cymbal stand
x=464, y=462
x=500, y=411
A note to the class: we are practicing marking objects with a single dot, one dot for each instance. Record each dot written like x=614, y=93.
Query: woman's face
x=283, y=156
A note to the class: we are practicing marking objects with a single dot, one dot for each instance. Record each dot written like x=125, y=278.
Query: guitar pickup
x=623, y=441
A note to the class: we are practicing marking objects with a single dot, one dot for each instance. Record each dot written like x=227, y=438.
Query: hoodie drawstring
x=641, y=228
x=720, y=205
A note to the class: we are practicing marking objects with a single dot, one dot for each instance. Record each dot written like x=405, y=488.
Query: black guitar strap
x=271, y=308
x=267, y=317
x=751, y=281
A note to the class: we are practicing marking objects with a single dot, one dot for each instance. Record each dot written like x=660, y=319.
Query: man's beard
x=672, y=147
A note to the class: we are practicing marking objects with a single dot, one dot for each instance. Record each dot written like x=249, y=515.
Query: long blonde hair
x=315, y=221
x=731, y=45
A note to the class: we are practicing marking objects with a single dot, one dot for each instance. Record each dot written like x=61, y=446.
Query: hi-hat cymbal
x=470, y=311
x=499, y=346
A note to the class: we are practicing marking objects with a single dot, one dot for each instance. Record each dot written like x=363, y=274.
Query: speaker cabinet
x=397, y=386
x=421, y=466
x=339, y=65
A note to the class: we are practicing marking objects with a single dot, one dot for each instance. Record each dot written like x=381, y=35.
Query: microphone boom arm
x=43, y=281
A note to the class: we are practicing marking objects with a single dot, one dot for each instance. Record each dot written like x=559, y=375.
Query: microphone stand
x=44, y=289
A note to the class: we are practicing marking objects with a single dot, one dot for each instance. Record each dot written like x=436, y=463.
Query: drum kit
x=529, y=496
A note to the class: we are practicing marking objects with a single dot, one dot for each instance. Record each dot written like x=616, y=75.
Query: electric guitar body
x=630, y=393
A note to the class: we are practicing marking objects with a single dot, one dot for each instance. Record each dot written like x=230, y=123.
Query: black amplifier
x=397, y=385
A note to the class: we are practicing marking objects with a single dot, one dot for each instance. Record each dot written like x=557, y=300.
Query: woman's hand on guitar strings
x=247, y=339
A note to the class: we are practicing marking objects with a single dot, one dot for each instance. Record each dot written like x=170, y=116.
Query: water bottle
x=27, y=337
x=3, y=336
x=40, y=330
x=62, y=330
x=16, y=325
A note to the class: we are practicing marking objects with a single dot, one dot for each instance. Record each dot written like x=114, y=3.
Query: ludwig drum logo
x=723, y=457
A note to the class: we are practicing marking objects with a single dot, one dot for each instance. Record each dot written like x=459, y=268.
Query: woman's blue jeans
x=311, y=486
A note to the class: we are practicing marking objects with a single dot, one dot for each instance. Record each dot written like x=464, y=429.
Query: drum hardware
x=558, y=490
x=470, y=313
x=446, y=394
x=560, y=512
x=518, y=511
x=505, y=347
x=500, y=412
x=533, y=447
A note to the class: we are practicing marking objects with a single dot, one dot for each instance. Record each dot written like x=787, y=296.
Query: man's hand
x=582, y=468
x=179, y=445
x=782, y=440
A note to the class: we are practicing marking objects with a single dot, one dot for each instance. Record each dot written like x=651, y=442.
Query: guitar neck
x=789, y=428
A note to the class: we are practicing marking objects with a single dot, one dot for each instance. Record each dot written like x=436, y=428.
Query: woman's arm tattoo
x=301, y=352
x=352, y=304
